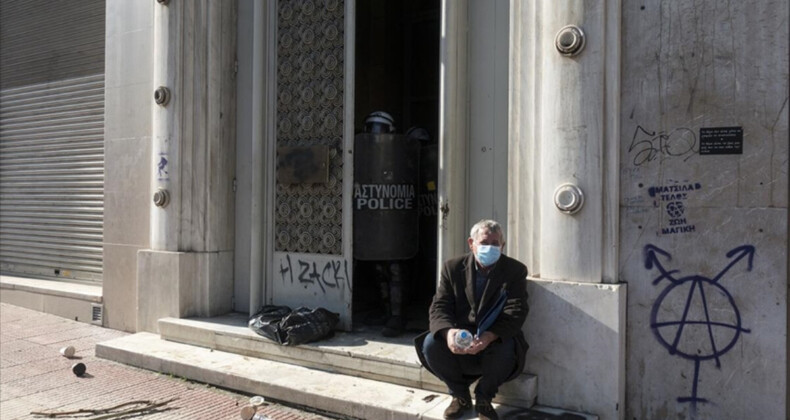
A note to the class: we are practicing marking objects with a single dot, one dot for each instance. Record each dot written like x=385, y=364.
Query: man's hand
x=450, y=338
x=480, y=343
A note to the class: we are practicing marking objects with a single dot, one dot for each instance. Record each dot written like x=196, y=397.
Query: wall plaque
x=721, y=141
x=302, y=165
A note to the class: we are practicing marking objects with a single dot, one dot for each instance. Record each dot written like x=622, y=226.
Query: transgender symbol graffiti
x=678, y=336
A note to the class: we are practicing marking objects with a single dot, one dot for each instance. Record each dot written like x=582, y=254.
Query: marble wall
x=703, y=223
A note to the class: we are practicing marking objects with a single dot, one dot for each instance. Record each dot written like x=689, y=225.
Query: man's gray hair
x=491, y=225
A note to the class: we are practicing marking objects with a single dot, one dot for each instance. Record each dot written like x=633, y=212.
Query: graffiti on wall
x=674, y=197
x=321, y=273
x=161, y=168
x=648, y=145
x=700, y=333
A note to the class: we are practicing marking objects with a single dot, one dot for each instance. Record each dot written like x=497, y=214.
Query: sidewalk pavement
x=35, y=377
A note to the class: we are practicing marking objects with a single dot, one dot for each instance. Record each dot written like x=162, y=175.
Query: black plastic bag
x=304, y=325
x=266, y=322
x=286, y=327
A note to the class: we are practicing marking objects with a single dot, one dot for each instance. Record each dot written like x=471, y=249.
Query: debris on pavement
x=79, y=369
x=257, y=401
x=429, y=398
x=119, y=411
x=67, y=351
x=249, y=412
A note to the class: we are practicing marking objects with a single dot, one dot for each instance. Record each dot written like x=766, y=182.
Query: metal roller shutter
x=45, y=40
x=52, y=139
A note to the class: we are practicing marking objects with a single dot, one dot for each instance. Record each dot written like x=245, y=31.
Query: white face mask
x=488, y=255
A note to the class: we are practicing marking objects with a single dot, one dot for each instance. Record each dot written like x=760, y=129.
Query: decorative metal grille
x=310, y=90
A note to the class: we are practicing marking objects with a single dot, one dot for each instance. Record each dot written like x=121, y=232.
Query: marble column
x=189, y=269
x=563, y=197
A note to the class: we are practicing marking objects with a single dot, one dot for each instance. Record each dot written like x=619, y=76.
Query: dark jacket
x=454, y=305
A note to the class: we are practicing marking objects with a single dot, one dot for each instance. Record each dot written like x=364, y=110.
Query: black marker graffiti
x=286, y=270
x=332, y=274
x=647, y=145
x=305, y=276
x=671, y=333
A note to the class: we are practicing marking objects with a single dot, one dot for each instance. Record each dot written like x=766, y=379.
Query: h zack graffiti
x=331, y=274
x=678, y=336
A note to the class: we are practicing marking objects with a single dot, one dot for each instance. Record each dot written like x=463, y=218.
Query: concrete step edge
x=335, y=393
x=247, y=343
x=522, y=392
x=173, y=329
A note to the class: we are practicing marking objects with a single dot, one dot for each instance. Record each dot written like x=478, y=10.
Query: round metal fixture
x=570, y=40
x=161, y=198
x=162, y=95
x=568, y=198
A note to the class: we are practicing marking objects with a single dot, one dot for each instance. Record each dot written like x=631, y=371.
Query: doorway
x=397, y=71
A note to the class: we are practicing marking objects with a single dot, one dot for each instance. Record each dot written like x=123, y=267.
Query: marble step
x=363, y=353
x=345, y=395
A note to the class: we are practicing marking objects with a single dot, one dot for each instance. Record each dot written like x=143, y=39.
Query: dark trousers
x=493, y=366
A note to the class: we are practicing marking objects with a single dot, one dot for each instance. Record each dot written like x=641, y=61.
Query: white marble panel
x=577, y=345
x=129, y=15
x=129, y=58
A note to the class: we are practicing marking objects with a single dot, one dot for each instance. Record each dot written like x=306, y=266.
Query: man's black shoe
x=457, y=408
x=485, y=411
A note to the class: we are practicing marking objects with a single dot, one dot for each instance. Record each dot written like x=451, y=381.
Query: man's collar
x=484, y=270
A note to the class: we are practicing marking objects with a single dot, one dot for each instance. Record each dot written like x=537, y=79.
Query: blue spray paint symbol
x=671, y=333
x=161, y=167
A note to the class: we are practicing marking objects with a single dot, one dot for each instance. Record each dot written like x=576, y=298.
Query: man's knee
x=504, y=346
x=501, y=355
x=440, y=359
x=434, y=346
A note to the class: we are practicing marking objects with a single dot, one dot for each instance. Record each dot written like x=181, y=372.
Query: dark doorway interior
x=397, y=71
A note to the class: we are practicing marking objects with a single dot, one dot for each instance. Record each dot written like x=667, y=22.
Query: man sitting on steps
x=482, y=287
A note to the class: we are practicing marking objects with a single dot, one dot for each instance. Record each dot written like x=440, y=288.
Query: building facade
x=637, y=155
